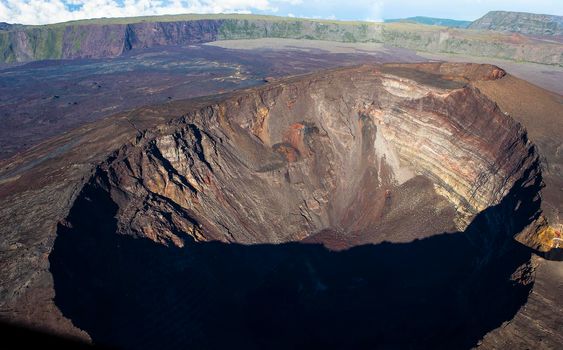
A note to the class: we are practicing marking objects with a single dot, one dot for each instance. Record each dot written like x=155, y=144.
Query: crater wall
x=331, y=152
x=415, y=184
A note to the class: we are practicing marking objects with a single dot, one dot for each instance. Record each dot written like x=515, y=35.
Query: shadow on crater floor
x=26, y=338
x=446, y=291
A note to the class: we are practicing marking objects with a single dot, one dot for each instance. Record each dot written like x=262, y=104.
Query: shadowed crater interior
x=368, y=207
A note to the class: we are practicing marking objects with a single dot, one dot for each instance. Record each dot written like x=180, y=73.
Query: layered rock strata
x=202, y=197
x=291, y=159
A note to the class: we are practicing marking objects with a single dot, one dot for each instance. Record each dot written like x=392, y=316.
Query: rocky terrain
x=371, y=206
x=520, y=22
x=114, y=37
x=43, y=99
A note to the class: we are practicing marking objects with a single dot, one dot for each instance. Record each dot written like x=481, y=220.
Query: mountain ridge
x=520, y=22
x=446, y=22
x=111, y=37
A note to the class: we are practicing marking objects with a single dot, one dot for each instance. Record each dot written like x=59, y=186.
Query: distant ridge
x=5, y=26
x=445, y=22
x=112, y=37
x=520, y=22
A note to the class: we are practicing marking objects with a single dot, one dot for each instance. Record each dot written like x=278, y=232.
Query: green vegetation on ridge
x=107, y=37
x=187, y=17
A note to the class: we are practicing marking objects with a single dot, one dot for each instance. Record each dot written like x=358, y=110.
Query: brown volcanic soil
x=161, y=226
x=542, y=114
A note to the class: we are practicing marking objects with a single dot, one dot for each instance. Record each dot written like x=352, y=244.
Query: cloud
x=51, y=11
x=376, y=12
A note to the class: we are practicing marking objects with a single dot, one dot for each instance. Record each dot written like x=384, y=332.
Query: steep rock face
x=141, y=35
x=520, y=22
x=541, y=112
x=107, y=38
x=113, y=39
x=95, y=41
x=180, y=228
x=292, y=159
x=207, y=204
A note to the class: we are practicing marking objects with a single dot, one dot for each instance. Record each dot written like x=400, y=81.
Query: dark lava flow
x=42, y=99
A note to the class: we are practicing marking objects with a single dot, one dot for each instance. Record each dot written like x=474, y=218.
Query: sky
x=52, y=11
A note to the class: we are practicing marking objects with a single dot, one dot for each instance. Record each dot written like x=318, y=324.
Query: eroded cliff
x=100, y=38
x=335, y=152
x=208, y=215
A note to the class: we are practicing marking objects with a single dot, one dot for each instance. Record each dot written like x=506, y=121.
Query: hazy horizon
x=53, y=11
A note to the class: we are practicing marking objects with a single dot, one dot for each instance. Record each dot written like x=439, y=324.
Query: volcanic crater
x=373, y=206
